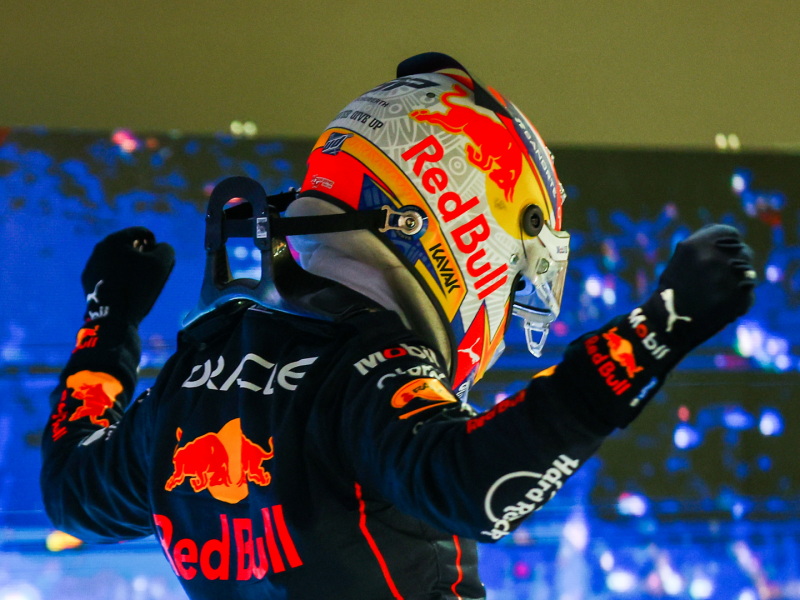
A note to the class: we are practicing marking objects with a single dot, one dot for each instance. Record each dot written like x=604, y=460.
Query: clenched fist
x=125, y=274
x=707, y=284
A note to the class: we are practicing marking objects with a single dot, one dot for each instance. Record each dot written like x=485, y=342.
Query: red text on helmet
x=469, y=236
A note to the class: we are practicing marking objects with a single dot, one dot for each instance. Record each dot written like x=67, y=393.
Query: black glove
x=707, y=284
x=125, y=274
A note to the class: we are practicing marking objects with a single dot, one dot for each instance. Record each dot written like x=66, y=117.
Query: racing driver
x=317, y=443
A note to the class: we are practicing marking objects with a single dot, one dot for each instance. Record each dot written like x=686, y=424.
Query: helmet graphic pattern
x=422, y=143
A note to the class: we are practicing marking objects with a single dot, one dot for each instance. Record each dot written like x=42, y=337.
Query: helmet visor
x=537, y=298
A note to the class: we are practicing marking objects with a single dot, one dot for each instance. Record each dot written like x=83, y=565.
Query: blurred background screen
x=696, y=499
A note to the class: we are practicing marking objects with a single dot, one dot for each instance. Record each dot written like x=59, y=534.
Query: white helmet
x=472, y=204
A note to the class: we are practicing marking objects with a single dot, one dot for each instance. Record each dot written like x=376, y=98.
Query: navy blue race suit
x=278, y=456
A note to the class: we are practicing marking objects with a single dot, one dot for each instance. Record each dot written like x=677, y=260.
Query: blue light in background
x=621, y=581
x=607, y=560
x=774, y=273
x=739, y=181
x=771, y=422
x=738, y=419
x=594, y=286
x=686, y=437
x=701, y=588
x=632, y=505
x=764, y=463
x=677, y=463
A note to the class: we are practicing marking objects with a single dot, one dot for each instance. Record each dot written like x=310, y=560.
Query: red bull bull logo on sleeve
x=97, y=391
x=620, y=354
x=621, y=351
x=209, y=462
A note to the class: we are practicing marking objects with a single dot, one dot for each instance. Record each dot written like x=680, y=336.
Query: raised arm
x=480, y=475
x=93, y=475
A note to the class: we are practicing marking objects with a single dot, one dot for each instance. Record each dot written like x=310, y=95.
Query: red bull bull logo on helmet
x=209, y=462
x=97, y=392
x=493, y=150
x=496, y=149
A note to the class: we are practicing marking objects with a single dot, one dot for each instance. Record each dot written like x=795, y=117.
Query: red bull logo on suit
x=254, y=555
x=621, y=351
x=97, y=391
x=209, y=462
x=59, y=430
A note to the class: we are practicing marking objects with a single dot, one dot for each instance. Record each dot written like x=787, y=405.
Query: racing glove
x=125, y=275
x=707, y=283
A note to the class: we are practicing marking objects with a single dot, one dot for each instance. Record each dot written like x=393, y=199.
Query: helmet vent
x=532, y=220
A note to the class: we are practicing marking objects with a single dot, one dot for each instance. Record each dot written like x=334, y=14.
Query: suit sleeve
x=94, y=453
x=413, y=444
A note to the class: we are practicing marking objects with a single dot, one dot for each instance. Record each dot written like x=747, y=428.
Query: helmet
x=472, y=203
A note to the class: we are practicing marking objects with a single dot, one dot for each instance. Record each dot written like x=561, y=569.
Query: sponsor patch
x=668, y=296
x=87, y=338
x=469, y=237
x=319, y=181
x=544, y=487
x=59, y=430
x=416, y=371
x=447, y=276
x=365, y=365
x=287, y=376
x=607, y=365
x=621, y=351
x=429, y=389
x=481, y=420
x=638, y=321
x=221, y=462
x=645, y=391
x=211, y=559
x=334, y=144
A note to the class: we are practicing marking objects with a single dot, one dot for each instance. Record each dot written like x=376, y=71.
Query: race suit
x=279, y=456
